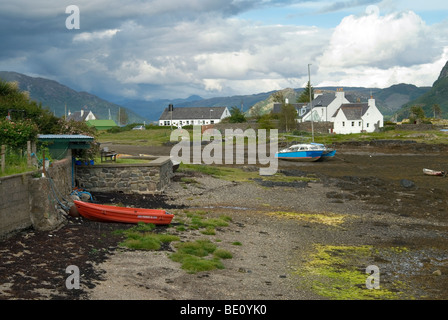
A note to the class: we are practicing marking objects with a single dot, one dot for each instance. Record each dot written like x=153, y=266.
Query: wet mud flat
x=382, y=185
x=410, y=208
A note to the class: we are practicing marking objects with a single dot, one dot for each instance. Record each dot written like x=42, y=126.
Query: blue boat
x=301, y=152
x=328, y=152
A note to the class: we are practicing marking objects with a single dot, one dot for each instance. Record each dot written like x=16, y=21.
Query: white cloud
x=419, y=75
x=175, y=48
x=97, y=35
x=379, y=51
x=379, y=41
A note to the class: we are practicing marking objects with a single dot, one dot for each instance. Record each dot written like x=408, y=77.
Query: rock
x=437, y=273
x=73, y=212
x=407, y=183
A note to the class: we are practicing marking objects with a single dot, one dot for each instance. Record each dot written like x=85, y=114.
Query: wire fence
x=13, y=160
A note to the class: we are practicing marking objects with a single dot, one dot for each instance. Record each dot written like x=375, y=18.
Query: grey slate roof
x=324, y=100
x=192, y=113
x=353, y=111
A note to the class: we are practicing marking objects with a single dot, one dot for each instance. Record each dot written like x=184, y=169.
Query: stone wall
x=319, y=127
x=234, y=126
x=14, y=203
x=148, y=177
x=28, y=200
x=415, y=127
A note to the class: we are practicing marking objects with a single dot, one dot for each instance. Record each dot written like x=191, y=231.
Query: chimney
x=340, y=93
x=286, y=101
x=371, y=102
x=82, y=112
x=317, y=93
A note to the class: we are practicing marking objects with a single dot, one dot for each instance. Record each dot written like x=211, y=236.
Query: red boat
x=105, y=213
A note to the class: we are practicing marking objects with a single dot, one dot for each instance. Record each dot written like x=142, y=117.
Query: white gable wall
x=90, y=116
x=373, y=117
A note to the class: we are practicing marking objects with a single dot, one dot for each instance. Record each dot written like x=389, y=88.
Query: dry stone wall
x=148, y=177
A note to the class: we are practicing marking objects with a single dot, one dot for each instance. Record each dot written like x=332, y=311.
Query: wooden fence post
x=3, y=154
x=33, y=150
x=28, y=153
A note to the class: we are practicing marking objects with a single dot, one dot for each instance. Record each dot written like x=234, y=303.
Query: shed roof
x=70, y=137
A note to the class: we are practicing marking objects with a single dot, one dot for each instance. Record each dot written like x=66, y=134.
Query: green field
x=153, y=137
x=160, y=136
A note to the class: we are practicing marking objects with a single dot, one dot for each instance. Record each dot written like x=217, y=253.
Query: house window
x=343, y=123
x=212, y=121
x=367, y=125
x=353, y=123
x=359, y=124
x=188, y=121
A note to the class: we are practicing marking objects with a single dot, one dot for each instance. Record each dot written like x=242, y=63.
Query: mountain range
x=58, y=98
x=61, y=99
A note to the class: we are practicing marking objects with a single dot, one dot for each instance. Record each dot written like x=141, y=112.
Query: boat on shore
x=430, y=172
x=106, y=213
x=328, y=152
x=301, y=152
x=306, y=152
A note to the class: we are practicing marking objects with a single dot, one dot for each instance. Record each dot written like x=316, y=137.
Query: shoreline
x=378, y=212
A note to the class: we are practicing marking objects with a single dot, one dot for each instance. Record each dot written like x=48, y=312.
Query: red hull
x=104, y=213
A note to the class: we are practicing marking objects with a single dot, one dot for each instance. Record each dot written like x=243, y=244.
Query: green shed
x=58, y=144
x=101, y=124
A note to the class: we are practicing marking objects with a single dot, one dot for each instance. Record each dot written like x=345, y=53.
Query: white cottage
x=193, y=116
x=357, y=118
x=347, y=117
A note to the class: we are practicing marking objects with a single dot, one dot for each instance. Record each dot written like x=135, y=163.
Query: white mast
x=311, y=102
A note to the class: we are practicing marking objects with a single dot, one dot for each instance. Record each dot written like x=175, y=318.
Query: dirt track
x=381, y=186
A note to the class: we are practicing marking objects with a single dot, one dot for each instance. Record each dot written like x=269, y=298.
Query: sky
x=167, y=49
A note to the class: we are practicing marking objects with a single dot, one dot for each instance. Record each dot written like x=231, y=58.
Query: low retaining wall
x=14, y=203
x=148, y=177
x=28, y=200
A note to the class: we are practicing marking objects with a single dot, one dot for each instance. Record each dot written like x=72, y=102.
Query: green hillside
x=59, y=99
x=437, y=95
x=267, y=105
x=390, y=100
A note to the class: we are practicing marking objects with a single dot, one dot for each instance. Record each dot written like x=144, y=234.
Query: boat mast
x=311, y=103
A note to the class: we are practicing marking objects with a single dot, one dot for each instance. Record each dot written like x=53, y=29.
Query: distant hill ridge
x=60, y=99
